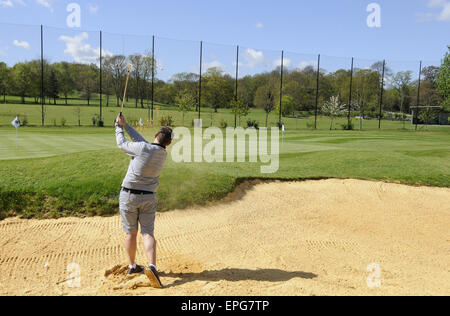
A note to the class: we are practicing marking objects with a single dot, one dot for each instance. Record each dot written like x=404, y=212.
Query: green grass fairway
x=56, y=171
x=55, y=114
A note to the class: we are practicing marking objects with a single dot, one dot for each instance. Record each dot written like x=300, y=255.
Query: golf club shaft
x=126, y=86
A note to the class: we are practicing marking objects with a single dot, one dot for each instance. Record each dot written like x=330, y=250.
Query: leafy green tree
x=218, y=92
x=185, y=101
x=53, y=86
x=116, y=67
x=247, y=90
x=287, y=106
x=65, y=79
x=301, y=86
x=365, y=92
x=265, y=98
x=429, y=92
x=87, y=80
x=180, y=82
x=34, y=68
x=4, y=79
x=402, y=85
x=427, y=115
x=21, y=80
x=239, y=109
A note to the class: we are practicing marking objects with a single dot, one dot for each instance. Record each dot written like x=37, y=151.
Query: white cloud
x=6, y=3
x=81, y=52
x=259, y=25
x=208, y=65
x=10, y=3
x=23, y=44
x=286, y=62
x=46, y=3
x=254, y=58
x=93, y=8
x=214, y=64
x=302, y=65
x=443, y=6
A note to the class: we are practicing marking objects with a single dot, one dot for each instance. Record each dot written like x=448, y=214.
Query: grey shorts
x=138, y=209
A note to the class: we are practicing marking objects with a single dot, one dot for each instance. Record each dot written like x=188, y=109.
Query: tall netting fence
x=401, y=94
x=127, y=61
x=300, y=99
x=71, y=77
x=20, y=74
x=259, y=85
x=367, y=93
x=176, y=83
x=336, y=91
x=219, y=74
x=429, y=108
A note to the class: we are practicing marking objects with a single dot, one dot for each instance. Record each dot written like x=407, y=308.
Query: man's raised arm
x=131, y=148
x=135, y=136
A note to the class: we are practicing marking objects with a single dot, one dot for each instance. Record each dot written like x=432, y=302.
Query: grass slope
x=58, y=172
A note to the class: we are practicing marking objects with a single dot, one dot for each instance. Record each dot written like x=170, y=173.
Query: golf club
x=126, y=86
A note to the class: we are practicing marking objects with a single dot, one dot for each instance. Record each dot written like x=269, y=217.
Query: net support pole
x=153, y=75
x=236, y=89
x=350, y=95
x=281, y=87
x=101, y=75
x=200, y=81
x=381, y=95
x=416, y=113
x=42, y=75
x=317, y=93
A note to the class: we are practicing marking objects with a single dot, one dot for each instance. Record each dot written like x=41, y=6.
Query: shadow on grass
x=235, y=275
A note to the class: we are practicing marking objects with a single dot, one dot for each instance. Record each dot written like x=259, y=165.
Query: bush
x=223, y=124
x=310, y=125
x=348, y=126
x=253, y=123
x=24, y=121
x=63, y=122
x=166, y=121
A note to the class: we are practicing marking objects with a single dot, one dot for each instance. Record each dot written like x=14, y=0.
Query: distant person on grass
x=138, y=200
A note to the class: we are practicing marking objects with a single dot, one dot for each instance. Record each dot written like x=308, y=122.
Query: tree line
x=63, y=81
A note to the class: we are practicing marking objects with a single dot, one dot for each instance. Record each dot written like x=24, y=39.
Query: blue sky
x=410, y=30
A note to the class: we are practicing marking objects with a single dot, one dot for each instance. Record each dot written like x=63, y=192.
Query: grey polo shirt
x=147, y=160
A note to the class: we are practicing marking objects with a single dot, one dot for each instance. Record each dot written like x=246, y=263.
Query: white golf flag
x=283, y=128
x=16, y=122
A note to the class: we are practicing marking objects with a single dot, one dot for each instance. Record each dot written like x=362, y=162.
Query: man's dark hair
x=164, y=136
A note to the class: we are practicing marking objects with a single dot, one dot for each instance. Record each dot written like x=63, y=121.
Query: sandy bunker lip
x=278, y=238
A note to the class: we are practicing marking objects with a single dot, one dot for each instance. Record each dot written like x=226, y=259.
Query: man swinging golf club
x=138, y=200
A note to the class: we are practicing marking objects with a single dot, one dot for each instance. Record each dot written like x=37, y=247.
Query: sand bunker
x=279, y=238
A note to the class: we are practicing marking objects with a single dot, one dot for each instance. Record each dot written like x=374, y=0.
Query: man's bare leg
x=150, y=248
x=131, y=247
x=151, y=271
